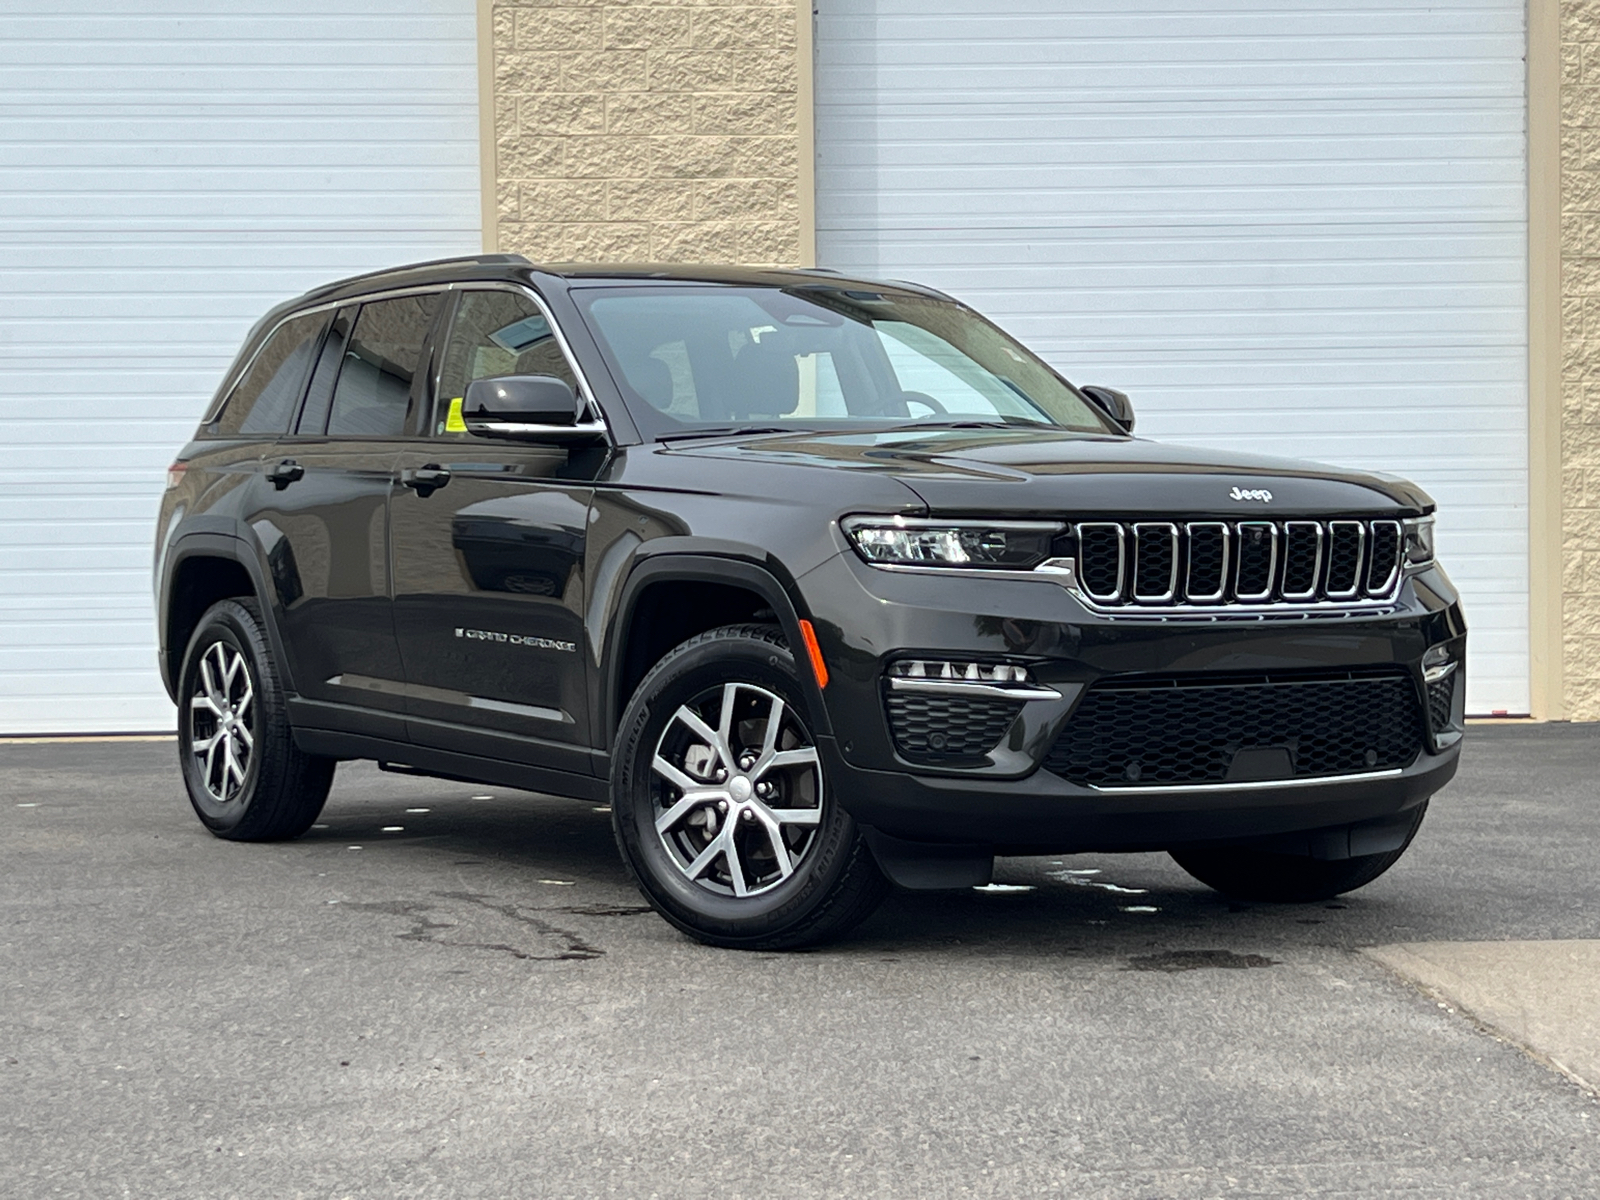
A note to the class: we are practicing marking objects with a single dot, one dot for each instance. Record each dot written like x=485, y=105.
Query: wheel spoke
x=211, y=765
x=796, y=816
x=706, y=857
x=232, y=660
x=730, y=694
x=735, y=867
x=706, y=734
x=244, y=700
x=803, y=756
x=245, y=736
x=206, y=703
x=678, y=811
x=769, y=741
x=230, y=766
x=679, y=779
x=775, y=837
x=206, y=677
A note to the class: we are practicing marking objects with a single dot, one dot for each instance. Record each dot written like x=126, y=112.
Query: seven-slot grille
x=1169, y=563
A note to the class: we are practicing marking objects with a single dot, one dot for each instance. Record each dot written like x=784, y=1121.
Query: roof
x=515, y=267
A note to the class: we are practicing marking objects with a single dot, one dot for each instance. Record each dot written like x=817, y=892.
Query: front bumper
x=866, y=618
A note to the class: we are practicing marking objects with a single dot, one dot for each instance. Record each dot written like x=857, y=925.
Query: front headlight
x=929, y=542
x=1419, y=541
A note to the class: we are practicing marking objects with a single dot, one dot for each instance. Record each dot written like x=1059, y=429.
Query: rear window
x=263, y=402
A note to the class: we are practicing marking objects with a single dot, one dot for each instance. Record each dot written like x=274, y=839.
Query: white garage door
x=171, y=169
x=1298, y=229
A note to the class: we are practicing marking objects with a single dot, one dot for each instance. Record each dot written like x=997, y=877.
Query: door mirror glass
x=1113, y=403
x=535, y=407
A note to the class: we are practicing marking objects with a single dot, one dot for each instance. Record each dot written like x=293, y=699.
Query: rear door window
x=379, y=371
x=263, y=402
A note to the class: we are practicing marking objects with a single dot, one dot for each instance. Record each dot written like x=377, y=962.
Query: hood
x=1026, y=471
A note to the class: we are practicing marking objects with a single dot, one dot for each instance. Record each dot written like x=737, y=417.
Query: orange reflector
x=818, y=667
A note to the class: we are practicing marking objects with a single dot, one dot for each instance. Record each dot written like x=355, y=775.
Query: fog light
x=960, y=672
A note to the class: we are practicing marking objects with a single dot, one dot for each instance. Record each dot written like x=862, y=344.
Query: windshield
x=693, y=358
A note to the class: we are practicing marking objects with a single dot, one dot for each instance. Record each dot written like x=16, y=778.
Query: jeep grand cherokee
x=822, y=583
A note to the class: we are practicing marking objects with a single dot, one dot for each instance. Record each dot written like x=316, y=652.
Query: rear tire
x=1247, y=874
x=246, y=778
x=719, y=804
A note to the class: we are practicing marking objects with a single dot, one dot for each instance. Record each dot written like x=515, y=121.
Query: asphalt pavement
x=454, y=991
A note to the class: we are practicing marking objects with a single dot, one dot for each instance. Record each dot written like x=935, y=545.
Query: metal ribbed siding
x=171, y=170
x=1294, y=229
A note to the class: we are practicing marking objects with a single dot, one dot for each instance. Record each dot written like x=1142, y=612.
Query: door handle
x=284, y=473
x=425, y=480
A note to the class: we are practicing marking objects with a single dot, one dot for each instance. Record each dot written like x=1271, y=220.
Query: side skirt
x=450, y=765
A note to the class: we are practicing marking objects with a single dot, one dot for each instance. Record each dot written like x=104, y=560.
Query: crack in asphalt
x=573, y=947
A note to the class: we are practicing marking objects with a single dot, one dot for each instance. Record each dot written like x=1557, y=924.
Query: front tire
x=719, y=803
x=246, y=778
x=1247, y=874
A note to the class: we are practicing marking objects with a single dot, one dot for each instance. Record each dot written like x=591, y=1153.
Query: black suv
x=822, y=582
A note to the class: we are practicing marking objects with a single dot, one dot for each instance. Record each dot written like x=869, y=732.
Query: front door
x=488, y=559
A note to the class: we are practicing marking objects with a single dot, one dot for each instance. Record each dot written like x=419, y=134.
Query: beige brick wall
x=648, y=131
x=1580, y=354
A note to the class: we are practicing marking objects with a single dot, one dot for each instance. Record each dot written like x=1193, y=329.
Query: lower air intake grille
x=1441, y=702
x=1169, y=731
x=945, y=729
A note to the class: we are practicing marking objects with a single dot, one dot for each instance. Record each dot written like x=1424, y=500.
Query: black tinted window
x=263, y=401
x=495, y=333
x=380, y=363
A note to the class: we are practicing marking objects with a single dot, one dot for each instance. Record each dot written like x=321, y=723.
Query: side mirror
x=536, y=408
x=1113, y=403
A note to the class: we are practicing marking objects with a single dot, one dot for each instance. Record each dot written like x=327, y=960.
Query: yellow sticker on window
x=453, y=421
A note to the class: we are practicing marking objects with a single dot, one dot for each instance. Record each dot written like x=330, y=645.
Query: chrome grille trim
x=1389, y=580
x=1153, y=530
x=1265, y=593
x=1222, y=576
x=1341, y=551
x=1315, y=528
x=1092, y=527
x=1360, y=532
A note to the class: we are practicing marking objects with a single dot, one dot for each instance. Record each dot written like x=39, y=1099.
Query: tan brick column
x=649, y=131
x=1580, y=356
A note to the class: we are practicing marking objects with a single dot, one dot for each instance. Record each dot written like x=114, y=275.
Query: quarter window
x=380, y=365
x=264, y=400
x=494, y=333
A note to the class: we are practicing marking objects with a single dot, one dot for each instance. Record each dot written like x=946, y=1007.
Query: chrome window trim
x=1171, y=529
x=1122, y=560
x=220, y=403
x=1361, y=560
x=440, y=289
x=1215, y=597
x=585, y=391
x=1316, y=569
x=1272, y=565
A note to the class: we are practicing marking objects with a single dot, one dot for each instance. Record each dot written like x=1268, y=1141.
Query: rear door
x=488, y=553
x=324, y=526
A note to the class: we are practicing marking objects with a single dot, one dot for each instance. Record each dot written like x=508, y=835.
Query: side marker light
x=814, y=652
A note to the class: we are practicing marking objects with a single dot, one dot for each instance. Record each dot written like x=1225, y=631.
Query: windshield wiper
x=723, y=431
x=984, y=423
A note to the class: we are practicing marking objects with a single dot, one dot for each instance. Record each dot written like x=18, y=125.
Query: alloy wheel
x=222, y=721
x=736, y=786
